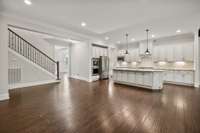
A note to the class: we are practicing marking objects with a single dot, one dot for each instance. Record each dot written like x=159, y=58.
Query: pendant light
x=126, y=52
x=147, y=52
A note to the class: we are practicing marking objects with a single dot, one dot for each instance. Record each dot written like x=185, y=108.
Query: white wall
x=3, y=60
x=196, y=59
x=79, y=64
x=62, y=55
x=30, y=72
x=37, y=41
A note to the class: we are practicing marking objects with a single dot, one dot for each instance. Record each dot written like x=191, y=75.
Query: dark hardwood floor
x=76, y=106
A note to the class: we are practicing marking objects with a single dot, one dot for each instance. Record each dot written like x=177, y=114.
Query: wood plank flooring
x=76, y=106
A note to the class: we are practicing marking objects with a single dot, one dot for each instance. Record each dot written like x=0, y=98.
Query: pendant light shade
x=147, y=52
x=126, y=52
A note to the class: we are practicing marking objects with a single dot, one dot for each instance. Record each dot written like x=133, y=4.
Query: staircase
x=33, y=54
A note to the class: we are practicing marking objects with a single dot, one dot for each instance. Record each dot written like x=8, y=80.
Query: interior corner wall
x=196, y=59
x=4, y=60
x=79, y=61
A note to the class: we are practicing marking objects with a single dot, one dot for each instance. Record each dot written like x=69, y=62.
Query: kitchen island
x=145, y=78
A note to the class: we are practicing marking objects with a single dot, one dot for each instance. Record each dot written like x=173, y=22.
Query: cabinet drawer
x=131, y=77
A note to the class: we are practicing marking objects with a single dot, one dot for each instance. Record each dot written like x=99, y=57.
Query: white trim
x=196, y=85
x=29, y=84
x=179, y=83
x=80, y=78
x=4, y=96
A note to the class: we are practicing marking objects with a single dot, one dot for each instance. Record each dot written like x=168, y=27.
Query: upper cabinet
x=99, y=51
x=178, y=52
x=180, y=49
x=169, y=49
x=188, y=52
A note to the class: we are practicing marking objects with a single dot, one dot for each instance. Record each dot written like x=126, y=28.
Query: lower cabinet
x=131, y=77
x=182, y=77
x=146, y=79
x=138, y=78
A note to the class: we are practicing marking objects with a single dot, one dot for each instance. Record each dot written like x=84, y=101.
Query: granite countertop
x=156, y=69
x=138, y=69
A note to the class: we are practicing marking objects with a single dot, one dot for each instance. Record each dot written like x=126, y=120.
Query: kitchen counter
x=139, y=69
x=145, y=78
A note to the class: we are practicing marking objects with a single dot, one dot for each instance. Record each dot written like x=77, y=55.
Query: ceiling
x=112, y=18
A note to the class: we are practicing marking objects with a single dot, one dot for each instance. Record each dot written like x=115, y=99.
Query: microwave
x=120, y=58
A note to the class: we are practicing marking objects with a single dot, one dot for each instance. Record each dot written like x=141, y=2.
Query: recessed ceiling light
x=178, y=31
x=107, y=38
x=28, y=2
x=133, y=39
x=152, y=36
x=83, y=24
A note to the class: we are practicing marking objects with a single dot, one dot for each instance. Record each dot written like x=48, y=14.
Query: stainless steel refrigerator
x=104, y=67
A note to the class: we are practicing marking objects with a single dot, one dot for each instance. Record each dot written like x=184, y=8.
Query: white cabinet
x=99, y=51
x=173, y=52
x=189, y=77
x=168, y=76
x=188, y=52
x=178, y=53
x=148, y=79
x=155, y=53
x=124, y=76
x=169, y=56
x=131, y=77
x=161, y=52
x=138, y=78
x=115, y=75
x=177, y=76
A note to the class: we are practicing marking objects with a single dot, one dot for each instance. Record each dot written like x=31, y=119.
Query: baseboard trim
x=29, y=84
x=177, y=83
x=4, y=96
x=80, y=78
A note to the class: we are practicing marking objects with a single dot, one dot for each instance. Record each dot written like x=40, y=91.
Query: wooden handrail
x=32, y=45
x=32, y=53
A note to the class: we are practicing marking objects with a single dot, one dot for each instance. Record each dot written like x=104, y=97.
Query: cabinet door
x=139, y=77
x=142, y=48
x=132, y=54
x=169, y=53
x=188, y=77
x=161, y=53
x=156, y=53
x=124, y=76
x=115, y=73
x=131, y=77
x=147, y=80
x=178, y=76
x=169, y=76
x=178, y=52
x=188, y=52
x=119, y=76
